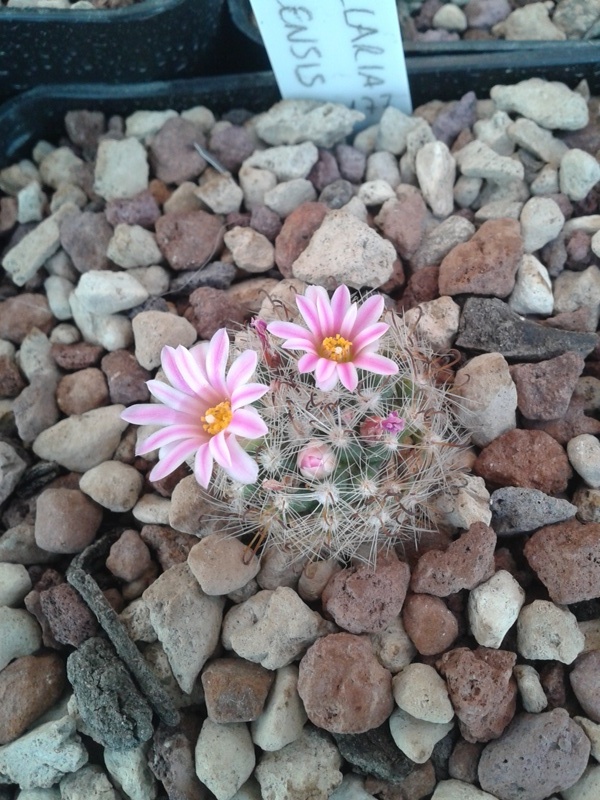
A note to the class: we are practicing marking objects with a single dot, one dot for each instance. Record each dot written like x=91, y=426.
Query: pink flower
x=340, y=337
x=316, y=461
x=203, y=411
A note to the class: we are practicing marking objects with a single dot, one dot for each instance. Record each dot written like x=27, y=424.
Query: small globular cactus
x=337, y=453
x=344, y=470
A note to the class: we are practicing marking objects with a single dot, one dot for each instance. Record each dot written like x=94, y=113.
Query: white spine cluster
x=384, y=483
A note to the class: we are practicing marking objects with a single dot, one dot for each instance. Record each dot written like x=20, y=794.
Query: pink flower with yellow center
x=203, y=411
x=341, y=337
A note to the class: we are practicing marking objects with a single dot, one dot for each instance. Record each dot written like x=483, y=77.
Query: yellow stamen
x=217, y=418
x=336, y=348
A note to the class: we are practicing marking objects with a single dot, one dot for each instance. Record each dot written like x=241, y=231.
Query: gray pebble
x=488, y=325
x=115, y=713
x=40, y=758
x=517, y=510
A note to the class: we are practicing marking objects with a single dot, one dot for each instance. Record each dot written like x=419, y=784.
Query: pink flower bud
x=316, y=461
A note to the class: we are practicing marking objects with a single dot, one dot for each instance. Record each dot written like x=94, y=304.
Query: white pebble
x=152, y=509
x=309, y=767
x=421, y=692
x=541, y=222
x=532, y=694
x=287, y=161
x=152, y=330
x=283, y=717
x=105, y=292
x=415, y=737
x=436, y=171
x=121, y=168
x=221, y=193
x=288, y=195
x=493, y=608
x=224, y=757
x=459, y=790
x=488, y=398
x=584, y=455
x=548, y=632
x=251, y=250
x=222, y=564
x=133, y=246
x=587, y=787
x=113, y=485
x=579, y=172
x=20, y=634
x=533, y=288
x=375, y=192
x=15, y=583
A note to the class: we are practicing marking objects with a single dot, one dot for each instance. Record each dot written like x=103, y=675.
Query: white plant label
x=344, y=51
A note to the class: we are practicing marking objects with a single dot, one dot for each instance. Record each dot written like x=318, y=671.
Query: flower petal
x=299, y=344
x=340, y=304
x=169, y=362
x=308, y=310
x=241, y=369
x=308, y=362
x=348, y=375
x=203, y=465
x=368, y=313
x=347, y=325
x=246, y=394
x=171, y=457
x=243, y=467
x=246, y=422
x=216, y=360
x=194, y=374
x=325, y=371
x=289, y=330
x=153, y=414
x=373, y=362
x=198, y=353
x=219, y=450
x=168, y=435
x=325, y=315
x=173, y=398
x=368, y=336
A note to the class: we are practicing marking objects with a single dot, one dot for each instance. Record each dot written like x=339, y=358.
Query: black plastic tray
x=153, y=40
x=529, y=53
x=39, y=113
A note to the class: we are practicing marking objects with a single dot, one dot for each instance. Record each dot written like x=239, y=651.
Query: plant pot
x=475, y=58
x=152, y=40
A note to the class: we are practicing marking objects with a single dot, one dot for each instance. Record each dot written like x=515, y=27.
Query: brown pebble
x=170, y=547
x=20, y=314
x=296, y=233
x=566, y=559
x=189, y=239
x=85, y=235
x=402, y=220
x=76, y=356
x=544, y=390
x=211, y=309
x=29, y=686
x=342, y=685
x=530, y=459
x=129, y=556
x=485, y=265
x=464, y=759
x=366, y=599
x=575, y=421
x=429, y=623
x=482, y=690
x=12, y=382
x=66, y=520
x=172, y=154
x=126, y=378
x=235, y=690
x=69, y=618
x=82, y=391
x=585, y=681
x=422, y=286
x=141, y=209
x=468, y=561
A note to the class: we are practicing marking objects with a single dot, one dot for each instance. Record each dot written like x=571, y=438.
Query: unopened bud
x=316, y=461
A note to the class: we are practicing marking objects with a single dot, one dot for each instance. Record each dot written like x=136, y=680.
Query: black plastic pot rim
x=139, y=11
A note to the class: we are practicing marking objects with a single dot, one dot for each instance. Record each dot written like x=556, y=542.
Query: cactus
x=344, y=473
